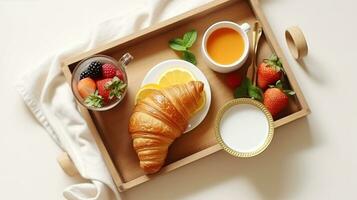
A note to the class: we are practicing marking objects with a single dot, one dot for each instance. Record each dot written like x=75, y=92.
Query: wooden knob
x=67, y=165
x=296, y=42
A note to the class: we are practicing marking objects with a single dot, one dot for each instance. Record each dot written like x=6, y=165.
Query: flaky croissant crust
x=159, y=119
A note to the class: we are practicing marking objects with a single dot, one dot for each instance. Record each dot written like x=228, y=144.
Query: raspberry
x=108, y=70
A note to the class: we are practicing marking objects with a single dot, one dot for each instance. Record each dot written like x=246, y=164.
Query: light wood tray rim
x=163, y=26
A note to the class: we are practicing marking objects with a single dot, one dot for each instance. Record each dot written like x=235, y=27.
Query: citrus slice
x=201, y=102
x=175, y=76
x=145, y=91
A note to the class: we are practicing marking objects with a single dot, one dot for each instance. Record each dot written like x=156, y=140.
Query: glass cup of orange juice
x=225, y=46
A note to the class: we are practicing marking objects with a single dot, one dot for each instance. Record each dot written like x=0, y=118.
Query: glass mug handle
x=245, y=27
x=126, y=59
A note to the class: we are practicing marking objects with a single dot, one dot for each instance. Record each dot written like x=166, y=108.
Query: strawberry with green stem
x=269, y=72
x=276, y=98
x=116, y=87
x=110, y=88
x=94, y=100
x=107, y=90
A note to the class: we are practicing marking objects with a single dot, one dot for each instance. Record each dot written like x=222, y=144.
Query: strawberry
x=102, y=90
x=94, y=100
x=110, y=88
x=86, y=87
x=233, y=79
x=120, y=75
x=108, y=70
x=276, y=99
x=269, y=71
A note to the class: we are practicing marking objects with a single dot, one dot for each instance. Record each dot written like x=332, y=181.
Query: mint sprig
x=183, y=45
x=248, y=90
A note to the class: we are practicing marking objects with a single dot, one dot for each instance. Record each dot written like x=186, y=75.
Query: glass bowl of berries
x=100, y=82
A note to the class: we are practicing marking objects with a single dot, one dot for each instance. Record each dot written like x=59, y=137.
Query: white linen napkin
x=49, y=97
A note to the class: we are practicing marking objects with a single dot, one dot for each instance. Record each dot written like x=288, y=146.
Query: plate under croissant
x=153, y=75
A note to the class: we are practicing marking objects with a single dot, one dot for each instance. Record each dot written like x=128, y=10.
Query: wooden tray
x=149, y=47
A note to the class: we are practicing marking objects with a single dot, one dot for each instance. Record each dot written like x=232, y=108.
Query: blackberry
x=95, y=69
x=84, y=74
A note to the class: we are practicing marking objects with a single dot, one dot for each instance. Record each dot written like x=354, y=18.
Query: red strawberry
x=276, y=99
x=110, y=88
x=102, y=91
x=233, y=79
x=269, y=72
x=108, y=70
x=120, y=74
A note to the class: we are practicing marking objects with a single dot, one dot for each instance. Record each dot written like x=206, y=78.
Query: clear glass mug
x=83, y=65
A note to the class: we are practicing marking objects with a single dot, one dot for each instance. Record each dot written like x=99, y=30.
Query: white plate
x=154, y=74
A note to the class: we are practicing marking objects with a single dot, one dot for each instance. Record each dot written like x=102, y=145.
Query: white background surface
x=313, y=158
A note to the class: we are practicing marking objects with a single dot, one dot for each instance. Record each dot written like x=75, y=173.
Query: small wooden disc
x=67, y=165
x=296, y=42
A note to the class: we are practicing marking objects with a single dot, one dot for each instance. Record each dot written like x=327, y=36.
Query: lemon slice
x=145, y=91
x=175, y=76
x=201, y=102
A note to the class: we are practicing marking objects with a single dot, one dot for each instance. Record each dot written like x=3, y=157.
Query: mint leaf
x=184, y=44
x=190, y=57
x=242, y=90
x=178, y=41
x=255, y=93
x=247, y=89
x=177, y=44
x=189, y=38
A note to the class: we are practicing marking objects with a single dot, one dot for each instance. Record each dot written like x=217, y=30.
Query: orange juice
x=225, y=46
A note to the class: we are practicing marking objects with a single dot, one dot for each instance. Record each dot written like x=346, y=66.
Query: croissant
x=159, y=119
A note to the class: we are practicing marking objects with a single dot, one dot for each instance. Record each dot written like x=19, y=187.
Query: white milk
x=244, y=128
